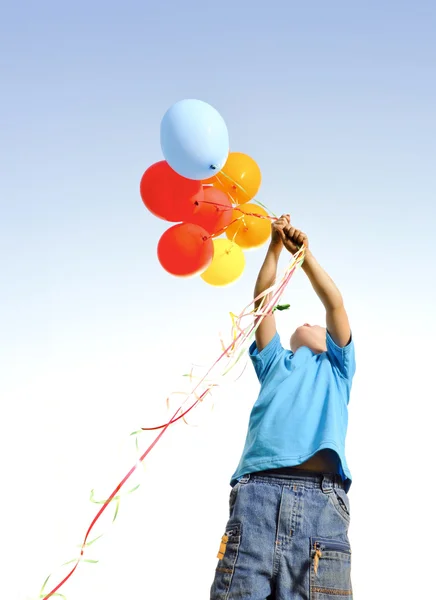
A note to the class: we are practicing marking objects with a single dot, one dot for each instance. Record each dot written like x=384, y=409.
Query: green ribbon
x=281, y=307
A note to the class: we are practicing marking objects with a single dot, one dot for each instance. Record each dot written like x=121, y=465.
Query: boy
x=287, y=535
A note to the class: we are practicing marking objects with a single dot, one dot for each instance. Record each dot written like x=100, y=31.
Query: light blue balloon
x=194, y=139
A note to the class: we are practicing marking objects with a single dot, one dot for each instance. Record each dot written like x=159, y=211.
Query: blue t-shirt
x=302, y=407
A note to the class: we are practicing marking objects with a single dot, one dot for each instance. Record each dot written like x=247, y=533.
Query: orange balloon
x=249, y=231
x=240, y=178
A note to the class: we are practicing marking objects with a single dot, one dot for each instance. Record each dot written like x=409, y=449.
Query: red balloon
x=214, y=212
x=185, y=249
x=167, y=194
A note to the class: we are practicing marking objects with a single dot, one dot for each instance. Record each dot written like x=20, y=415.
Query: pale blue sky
x=335, y=101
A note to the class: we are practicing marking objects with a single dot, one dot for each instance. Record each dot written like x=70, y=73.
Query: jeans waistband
x=311, y=478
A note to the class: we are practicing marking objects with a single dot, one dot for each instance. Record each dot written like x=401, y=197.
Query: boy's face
x=312, y=336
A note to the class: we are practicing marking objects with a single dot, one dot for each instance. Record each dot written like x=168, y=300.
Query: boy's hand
x=277, y=227
x=293, y=239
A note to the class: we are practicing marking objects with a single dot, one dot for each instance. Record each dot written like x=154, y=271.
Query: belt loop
x=327, y=484
x=245, y=478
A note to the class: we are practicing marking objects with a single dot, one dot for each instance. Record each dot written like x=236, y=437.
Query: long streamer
x=241, y=338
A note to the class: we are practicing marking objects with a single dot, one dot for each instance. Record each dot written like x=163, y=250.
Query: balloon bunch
x=206, y=190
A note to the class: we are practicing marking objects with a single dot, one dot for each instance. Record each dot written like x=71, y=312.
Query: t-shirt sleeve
x=263, y=360
x=342, y=358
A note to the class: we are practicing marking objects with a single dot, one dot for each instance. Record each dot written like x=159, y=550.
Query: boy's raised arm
x=267, y=275
x=336, y=316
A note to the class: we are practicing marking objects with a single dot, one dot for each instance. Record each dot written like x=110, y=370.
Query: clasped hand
x=283, y=233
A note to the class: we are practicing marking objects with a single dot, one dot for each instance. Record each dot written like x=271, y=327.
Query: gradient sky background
x=336, y=102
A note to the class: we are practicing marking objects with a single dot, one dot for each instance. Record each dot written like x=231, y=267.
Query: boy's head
x=312, y=336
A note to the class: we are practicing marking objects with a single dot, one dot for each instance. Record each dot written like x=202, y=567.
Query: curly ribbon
x=241, y=218
x=238, y=185
x=236, y=206
x=241, y=337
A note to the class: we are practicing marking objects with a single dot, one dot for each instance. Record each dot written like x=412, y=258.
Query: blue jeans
x=286, y=539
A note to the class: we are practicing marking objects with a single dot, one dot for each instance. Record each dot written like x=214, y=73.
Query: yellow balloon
x=227, y=264
x=249, y=231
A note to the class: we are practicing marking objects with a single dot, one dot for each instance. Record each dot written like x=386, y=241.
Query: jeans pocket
x=330, y=571
x=232, y=497
x=227, y=557
x=341, y=502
